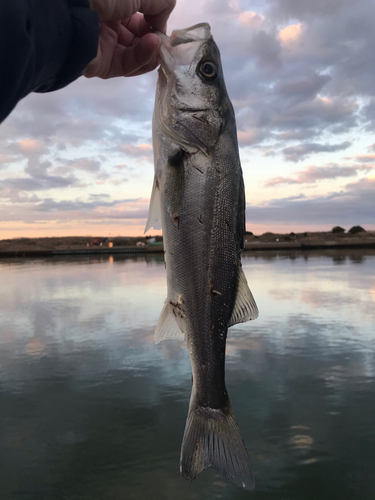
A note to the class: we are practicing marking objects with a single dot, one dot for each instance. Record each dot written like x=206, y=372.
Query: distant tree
x=356, y=229
x=338, y=229
x=249, y=233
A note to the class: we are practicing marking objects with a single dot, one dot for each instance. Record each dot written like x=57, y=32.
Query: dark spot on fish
x=200, y=118
x=213, y=292
x=227, y=224
x=176, y=159
x=217, y=170
x=200, y=219
x=199, y=170
x=176, y=220
x=178, y=309
x=157, y=183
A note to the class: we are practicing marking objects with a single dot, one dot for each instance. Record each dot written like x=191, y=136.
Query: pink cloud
x=312, y=174
x=143, y=151
x=250, y=19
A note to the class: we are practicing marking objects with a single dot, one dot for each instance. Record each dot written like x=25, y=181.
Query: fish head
x=192, y=104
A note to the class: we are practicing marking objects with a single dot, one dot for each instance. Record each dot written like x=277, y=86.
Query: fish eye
x=208, y=70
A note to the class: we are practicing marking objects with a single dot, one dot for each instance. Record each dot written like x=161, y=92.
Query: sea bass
x=198, y=199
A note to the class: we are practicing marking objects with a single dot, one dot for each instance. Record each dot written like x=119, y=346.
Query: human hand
x=127, y=47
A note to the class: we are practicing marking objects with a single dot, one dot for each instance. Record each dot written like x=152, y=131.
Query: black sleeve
x=44, y=45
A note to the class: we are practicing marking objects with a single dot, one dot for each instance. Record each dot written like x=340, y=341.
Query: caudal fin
x=212, y=439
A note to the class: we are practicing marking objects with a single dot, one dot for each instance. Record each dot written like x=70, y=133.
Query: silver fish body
x=198, y=196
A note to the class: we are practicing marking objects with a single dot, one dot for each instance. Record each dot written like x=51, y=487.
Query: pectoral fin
x=245, y=307
x=170, y=325
x=154, y=212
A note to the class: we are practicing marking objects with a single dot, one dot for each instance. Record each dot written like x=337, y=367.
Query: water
x=91, y=409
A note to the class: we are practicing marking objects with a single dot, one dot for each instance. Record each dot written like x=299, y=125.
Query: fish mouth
x=180, y=48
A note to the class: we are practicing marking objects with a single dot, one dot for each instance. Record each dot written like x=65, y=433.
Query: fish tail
x=212, y=439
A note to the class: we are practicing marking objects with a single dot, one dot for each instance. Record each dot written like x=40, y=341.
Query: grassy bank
x=76, y=243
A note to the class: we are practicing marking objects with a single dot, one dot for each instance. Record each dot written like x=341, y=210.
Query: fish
x=198, y=200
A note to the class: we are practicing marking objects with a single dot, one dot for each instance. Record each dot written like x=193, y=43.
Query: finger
x=137, y=25
x=113, y=25
x=157, y=12
x=128, y=60
x=100, y=66
x=158, y=20
x=125, y=37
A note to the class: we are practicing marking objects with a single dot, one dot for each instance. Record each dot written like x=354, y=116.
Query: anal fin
x=245, y=308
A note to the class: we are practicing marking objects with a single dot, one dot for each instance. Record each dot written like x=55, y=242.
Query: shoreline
x=252, y=246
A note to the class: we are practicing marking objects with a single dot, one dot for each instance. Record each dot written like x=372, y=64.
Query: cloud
x=249, y=137
x=300, y=74
x=85, y=164
x=352, y=206
x=122, y=166
x=97, y=208
x=118, y=182
x=266, y=49
x=142, y=151
x=302, y=89
x=289, y=36
x=298, y=153
x=38, y=172
x=250, y=19
x=312, y=174
x=42, y=182
x=28, y=146
x=13, y=195
x=317, y=112
x=296, y=134
x=5, y=160
x=365, y=158
x=50, y=205
x=305, y=9
x=334, y=52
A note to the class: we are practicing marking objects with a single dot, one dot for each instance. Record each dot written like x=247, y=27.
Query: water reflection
x=91, y=409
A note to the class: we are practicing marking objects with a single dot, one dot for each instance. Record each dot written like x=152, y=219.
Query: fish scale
x=198, y=200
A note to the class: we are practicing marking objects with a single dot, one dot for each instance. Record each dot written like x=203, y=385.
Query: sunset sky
x=301, y=76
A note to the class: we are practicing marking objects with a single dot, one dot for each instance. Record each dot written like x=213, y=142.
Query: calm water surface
x=92, y=409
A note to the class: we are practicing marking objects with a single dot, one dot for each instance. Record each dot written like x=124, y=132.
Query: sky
x=301, y=76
